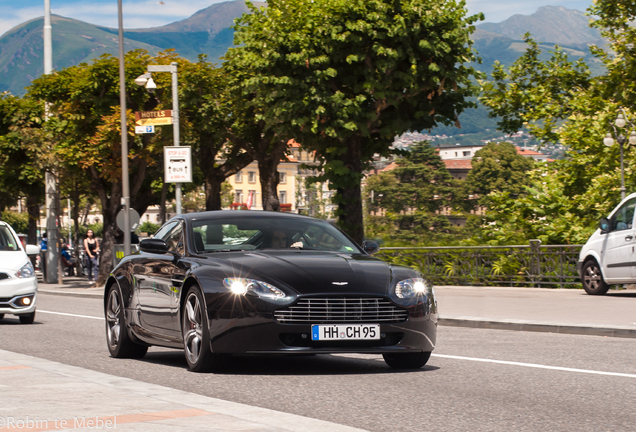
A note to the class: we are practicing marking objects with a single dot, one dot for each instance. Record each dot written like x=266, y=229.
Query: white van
x=609, y=256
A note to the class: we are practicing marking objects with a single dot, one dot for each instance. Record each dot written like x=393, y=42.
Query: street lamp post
x=146, y=79
x=620, y=122
x=124, y=134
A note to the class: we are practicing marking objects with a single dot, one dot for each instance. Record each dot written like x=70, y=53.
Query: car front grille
x=317, y=310
x=4, y=276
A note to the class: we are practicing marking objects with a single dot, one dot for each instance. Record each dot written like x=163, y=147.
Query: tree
x=343, y=77
x=413, y=196
x=23, y=155
x=86, y=130
x=498, y=168
x=208, y=107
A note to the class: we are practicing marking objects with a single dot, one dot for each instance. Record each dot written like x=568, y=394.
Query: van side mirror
x=604, y=225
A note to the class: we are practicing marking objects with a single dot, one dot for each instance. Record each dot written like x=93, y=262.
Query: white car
x=18, y=283
x=609, y=256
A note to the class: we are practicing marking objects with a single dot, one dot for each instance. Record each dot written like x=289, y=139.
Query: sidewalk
x=539, y=309
x=41, y=395
x=524, y=309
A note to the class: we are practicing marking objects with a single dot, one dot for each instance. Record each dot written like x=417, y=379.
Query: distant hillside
x=553, y=24
x=21, y=49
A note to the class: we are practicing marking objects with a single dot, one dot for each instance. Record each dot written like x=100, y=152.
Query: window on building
x=238, y=195
x=467, y=153
x=282, y=178
x=239, y=177
x=251, y=176
x=282, y=196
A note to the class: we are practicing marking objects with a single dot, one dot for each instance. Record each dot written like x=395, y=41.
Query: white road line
x=67, y=314
x=538, y=366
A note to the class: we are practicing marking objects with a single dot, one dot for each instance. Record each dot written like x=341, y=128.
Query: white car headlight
x=243, y=286
x=409, y=288
x=26, y=271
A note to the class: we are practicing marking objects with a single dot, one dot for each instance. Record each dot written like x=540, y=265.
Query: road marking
x=2, y=368
x=533, y=365
x=68, y=314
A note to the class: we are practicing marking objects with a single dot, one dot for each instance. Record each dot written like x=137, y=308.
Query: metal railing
x=533, y=265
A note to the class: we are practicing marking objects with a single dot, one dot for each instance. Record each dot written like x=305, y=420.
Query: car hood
x=310, y=272
x=12, y=260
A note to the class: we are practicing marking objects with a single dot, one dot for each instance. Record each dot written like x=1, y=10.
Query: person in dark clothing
x=91, y=247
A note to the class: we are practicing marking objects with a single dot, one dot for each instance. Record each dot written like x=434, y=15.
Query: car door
x=158, y=301
x=619, y=261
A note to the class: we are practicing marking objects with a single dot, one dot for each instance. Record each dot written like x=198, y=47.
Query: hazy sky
x=151, y=13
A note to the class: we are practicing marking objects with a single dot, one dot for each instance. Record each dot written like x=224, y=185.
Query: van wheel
x=592, y=279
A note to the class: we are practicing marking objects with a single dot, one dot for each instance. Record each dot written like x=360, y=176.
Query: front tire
x=1, y=316
x=117, y=339
x=196, y=335
x=592, y=280
x=27, y=319
x=407, y=360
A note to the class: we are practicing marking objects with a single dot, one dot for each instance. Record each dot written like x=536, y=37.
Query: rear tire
x=407, y=360
x=1, y=316
x=196, y=335
x=117, y=339
x=592, y=279
x=27, y=319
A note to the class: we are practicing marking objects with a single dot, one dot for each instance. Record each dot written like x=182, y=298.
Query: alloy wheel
x=193, y=328
x=113, y=310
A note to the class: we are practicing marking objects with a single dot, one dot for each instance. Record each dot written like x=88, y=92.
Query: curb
x=70, y=293
x=619, y=332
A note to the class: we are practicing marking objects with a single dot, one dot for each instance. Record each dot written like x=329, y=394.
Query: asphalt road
x=477, y=380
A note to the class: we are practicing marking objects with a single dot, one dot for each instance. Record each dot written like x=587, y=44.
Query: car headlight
x=243, y=286
x=409, y=288
x=26, y=271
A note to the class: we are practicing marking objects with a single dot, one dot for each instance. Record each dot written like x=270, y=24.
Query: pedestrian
x=43, y=248
x=91, y=247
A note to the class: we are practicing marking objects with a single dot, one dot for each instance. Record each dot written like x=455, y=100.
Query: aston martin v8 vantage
x=224, y=283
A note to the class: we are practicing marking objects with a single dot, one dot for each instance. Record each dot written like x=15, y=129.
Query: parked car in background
x=609, y=256
x=18, y=283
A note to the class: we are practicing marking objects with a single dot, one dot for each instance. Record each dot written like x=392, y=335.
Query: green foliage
x=497, y=168
x=18, y=221
x=344, y=77
x=148, y=227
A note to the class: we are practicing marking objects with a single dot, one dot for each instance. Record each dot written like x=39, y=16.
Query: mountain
x=553, y=24
x=21, y=49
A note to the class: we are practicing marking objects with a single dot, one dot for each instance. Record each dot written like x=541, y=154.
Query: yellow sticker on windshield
x=349, y=248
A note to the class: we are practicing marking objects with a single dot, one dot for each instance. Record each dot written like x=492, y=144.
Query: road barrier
x=532, y=265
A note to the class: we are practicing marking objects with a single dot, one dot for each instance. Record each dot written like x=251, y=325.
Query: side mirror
x=156, y=246
x=604, y=225
x=32, y=249
x=370, y=247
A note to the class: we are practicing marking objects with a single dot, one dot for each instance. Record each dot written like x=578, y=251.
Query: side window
x=175, y=240
x=164, y=231
x=624, y=217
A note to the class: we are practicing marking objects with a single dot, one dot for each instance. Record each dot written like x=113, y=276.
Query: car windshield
x=7, y=240
x=214, y=235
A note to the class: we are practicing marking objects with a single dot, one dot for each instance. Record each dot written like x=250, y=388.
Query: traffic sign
x=177, y=162
x=155, y=118
x=134, y=219
x=144, y=129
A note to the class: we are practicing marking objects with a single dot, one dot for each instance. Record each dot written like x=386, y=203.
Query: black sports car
x=247, y=282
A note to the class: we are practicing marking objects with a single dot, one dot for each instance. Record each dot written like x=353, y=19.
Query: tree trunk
x=162, y=205
x=33, y=210
x=268, y=172
x=348, y=194
x=213, y=193
x=107, y=246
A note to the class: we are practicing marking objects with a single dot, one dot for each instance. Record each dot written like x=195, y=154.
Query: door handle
x=628, y=238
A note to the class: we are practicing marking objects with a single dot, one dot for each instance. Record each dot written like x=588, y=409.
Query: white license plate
x=345, y=332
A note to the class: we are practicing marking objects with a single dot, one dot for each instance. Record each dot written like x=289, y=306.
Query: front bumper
x=13, y=290
x=259, y=333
